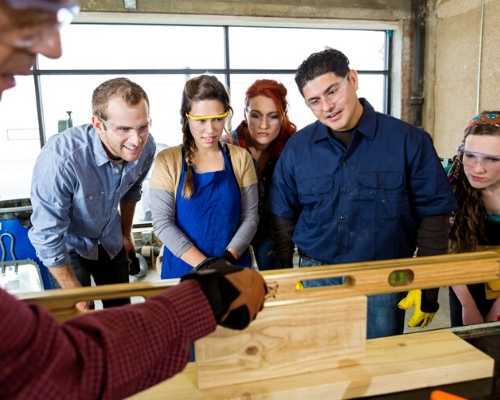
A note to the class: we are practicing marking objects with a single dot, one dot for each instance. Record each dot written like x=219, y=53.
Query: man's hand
x=128, y=244
x=134, y=266
x=83, y=306
x=419, y=317
x=235, y=294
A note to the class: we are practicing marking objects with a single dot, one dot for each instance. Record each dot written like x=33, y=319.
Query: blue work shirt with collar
x=363, y=202
x=75, y=193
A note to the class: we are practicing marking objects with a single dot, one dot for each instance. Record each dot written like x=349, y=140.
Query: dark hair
x=320, y=63
x=203, y=87
x=128, y=91
x=277, y=93
x=469, y=222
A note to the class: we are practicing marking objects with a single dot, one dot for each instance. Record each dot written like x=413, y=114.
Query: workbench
x=293, y=350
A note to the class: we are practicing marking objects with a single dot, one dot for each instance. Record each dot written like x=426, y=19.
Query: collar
x=100, y=155
x=367, y=124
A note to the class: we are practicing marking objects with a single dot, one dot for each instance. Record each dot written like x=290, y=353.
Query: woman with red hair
x=264, y=132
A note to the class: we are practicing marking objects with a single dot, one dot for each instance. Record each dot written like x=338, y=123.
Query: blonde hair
x=124, y=88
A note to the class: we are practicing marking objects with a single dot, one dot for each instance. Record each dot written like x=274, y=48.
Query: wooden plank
x=372, y=277
x=391, y=364
x=363, y=278
x=285, y=339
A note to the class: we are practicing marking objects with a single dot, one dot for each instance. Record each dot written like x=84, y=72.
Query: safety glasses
x=471, y=158
x=193, y=117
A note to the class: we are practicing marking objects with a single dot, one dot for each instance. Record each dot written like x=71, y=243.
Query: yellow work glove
x=419, y=317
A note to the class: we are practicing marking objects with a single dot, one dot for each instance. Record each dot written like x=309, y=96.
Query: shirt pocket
x=88, y=214
x=313, y=190
x=386, y=190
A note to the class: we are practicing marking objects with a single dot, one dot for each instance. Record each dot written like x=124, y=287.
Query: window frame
x=391, y=71
x=392, y=97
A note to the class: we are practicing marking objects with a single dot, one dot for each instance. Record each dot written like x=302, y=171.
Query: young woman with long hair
x=203, y=194
x=475, y=180
x=264, y=133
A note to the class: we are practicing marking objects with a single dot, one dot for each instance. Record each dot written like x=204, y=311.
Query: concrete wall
x=398, y=11
x=453, y=64
x=391, y=10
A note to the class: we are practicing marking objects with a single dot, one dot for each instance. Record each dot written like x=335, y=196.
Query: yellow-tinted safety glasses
x=205, y=117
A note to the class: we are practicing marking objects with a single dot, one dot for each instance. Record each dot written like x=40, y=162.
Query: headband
x=489, y=118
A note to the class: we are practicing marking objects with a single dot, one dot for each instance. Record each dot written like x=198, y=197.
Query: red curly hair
x=276, y=91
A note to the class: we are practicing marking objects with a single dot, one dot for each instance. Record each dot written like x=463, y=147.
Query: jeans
x=384, y=317
x=104, y=270
x=264, y=256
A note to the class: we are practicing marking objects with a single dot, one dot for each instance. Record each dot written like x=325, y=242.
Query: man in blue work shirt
x=357, y=185
x=85, y=186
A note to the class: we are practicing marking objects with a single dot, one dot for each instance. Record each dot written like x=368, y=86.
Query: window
x=19, y=139
x=161, y=58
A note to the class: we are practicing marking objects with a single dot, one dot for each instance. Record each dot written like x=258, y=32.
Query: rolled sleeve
x=51, y=200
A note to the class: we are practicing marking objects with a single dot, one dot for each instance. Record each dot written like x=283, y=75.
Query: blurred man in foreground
x=114, y=353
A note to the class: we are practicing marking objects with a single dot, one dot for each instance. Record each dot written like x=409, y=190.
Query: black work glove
x=432, y=240
x=133, y=264
x=228, y=256
x=430, y=300
x=235, y=294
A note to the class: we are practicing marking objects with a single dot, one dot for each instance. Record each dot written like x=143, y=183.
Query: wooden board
x=285, y=339
x=389, y=365
x=371, y=277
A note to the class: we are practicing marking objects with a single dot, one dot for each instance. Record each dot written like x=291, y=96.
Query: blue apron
x=210, y=218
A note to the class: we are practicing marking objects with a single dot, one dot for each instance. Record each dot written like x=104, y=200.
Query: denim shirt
x=363, y=202
x=76, y=191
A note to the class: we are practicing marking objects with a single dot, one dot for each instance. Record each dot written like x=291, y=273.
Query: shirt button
x=342, y=218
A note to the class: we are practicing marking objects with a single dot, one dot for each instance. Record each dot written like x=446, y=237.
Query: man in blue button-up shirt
x=85, y=185
x=357, y=185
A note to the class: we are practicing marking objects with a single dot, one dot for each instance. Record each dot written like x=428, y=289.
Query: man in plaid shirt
x=114, y=353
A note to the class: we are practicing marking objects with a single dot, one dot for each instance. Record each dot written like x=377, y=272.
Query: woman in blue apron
x=209, y=218
x=204, y=197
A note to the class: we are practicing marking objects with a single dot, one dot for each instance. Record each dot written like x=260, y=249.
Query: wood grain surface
x=391, y=364
x=285, y=339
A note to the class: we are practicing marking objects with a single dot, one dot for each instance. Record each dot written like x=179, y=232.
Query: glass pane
x=298, y=113
x=19, y=139
x=95, y=46
x=285, y=48
x=164, y=92
x=372, y=88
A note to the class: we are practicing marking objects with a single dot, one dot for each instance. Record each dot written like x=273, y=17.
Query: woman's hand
x=470, y=312
x=494, y=313
x=471, y=315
